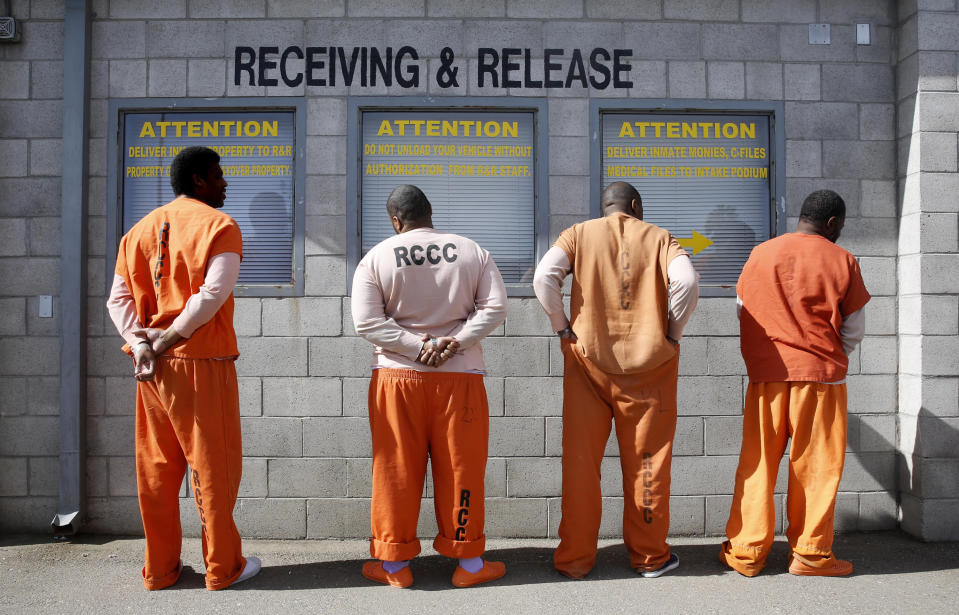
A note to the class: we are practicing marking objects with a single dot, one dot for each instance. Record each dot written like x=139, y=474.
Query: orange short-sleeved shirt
x=796, y=290
x=619, y=307
x=163, y=261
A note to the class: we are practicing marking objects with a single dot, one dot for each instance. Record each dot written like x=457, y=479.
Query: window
x=481, y=168
x=709, y=177
x=258, y=154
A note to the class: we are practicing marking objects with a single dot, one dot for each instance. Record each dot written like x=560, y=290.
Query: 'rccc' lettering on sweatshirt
x=418, y=255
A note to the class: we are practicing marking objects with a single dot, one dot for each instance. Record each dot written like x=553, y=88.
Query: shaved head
x=409, y=204
x=622, y=197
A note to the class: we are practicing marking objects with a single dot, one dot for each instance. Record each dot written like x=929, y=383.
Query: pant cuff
x=167, y=580
x=809, y=549
x=394, y=551
x=460, y=548
x=215, y=584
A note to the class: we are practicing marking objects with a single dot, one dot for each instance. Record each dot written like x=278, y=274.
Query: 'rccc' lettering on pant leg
x=198, y=496
x=463, y=516
x=647, y=475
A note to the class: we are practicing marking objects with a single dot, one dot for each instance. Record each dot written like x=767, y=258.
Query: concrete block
x=132, y=9
x=359, y=477
x=710, y=395
x=43, y=233
x=858, y=82
x=123, y=476
x=568, y=155
x=430, y=38
x=96, y=476
x=251, y=396
x=929, y=314
x=557, y=361
x=533, y=477
x=649, y=80
x=937, y=30
x=272, y=437
x=940, y=232
x=326, y=195
x=764, y=81
x=713, y=316
x=13, y=319
x=453, y=8
x=254, y=481
x=46, y=79
x=846, y=512
x=43, y=395
x=687, y=79
x=307, y=478
x=495, y=483
x=26, y=514
x=937, y=190
x=858, y=11
x=869, y=472
x=740, y=42
x=13, y=391
x=804, y=158
x=645, y=10
x=569, y=194
x=206, y=78
x=190, y=39
x=879, y=274
x=689, y=436
x=877, y=122
x=726, y=79
x=13, y=158
x=14, y=471
x=878, y=199
x=723, y=435
x=302, y=316
x=794, y=44
x=940, y=355
x=110, y=435
x=326, y=116
x=703, y=475
x=717, y=514
x=128, y=78
x=879, y=355
x=526, y=317
x=119, y=39
x=568, y=118
x=937, y=111
x=910, y=355
x=44, y=476
x=534, y=396
x=821, y=120
x=39, y=41
x=325, y=275
x=121, y=396
x=801, y=82
x=495, y=395
x=779, y=11
x=212, y=9
x=692, y=356
x=272, y=356
x=246, y=316
x=15, y=80
x=302, y=397
x=24, y=356
x=114, y=515
x=277, y=519
x=907, y=77
x=707, y=10
x=336, y=437
x=306, y=8
x=881, y=316
x=387, y=8
x=877, y=433
x=516, y=517
x=340, y=356
x=723, y=356
x=516, y=356
x=687, y=516
x=663, y=41
x=864, y=159
x=937, y=71
x=937, y=151
x=355, y=396
x=937, y=477
x=517, y=436
x=877, y=511
x=95, y=396
x=338, y=518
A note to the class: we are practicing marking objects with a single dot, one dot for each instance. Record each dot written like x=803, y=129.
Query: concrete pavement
x=100, y=574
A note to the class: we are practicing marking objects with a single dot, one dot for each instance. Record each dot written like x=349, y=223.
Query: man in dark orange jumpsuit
x=801, y=299
x=175, y=273
x=634, y=289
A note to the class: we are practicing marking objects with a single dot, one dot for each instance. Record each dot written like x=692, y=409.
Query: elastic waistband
x=412, y=374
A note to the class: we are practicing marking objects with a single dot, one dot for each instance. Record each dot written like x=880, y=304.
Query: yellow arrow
x=698, y=242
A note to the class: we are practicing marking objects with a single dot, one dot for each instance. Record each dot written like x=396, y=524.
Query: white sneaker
x=250, y=570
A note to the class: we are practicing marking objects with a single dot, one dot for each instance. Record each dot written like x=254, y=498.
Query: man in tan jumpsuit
x=633, y=291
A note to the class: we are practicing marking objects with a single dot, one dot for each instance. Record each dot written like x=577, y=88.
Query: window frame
x=118, y=108
x=775, y=110
x=357, y=105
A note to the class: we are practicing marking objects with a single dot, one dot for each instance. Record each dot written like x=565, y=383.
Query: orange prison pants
x=436, y=415
x=189, y=414
x=814, y=416
x=644, y=409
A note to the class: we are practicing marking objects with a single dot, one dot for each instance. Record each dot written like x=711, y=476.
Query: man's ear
x=198, y=182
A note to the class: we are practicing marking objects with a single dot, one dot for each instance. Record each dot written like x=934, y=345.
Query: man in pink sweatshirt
x=425, y=299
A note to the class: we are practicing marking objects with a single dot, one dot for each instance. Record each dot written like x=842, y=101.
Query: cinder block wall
x=304, y=372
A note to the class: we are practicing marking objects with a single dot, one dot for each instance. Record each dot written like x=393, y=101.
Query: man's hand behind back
x=437, y=350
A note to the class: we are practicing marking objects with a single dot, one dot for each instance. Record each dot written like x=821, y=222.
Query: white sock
x=394, y=567
x=472, y=564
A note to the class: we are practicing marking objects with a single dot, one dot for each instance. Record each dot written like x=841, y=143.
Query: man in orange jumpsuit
x=173, y=286
x=801, y=313
x=634, y=289
x=425, y=299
